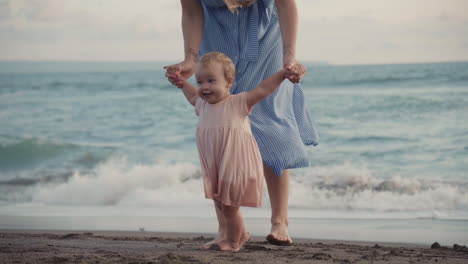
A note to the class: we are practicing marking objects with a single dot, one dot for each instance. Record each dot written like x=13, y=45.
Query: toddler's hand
x=295, y=73
x=178, y=80
x=175, y=72
x=173, y=75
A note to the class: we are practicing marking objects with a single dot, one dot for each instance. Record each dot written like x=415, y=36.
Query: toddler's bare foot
x=225, y=245
x=212, y=242
x=244, y=239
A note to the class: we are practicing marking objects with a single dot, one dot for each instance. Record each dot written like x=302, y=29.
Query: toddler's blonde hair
x=234, y=5
x=226, y=62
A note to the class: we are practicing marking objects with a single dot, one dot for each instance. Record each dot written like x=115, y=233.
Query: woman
x=260, y=37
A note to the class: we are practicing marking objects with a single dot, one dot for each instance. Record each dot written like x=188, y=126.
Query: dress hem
x=279, y=171
x=311, y=143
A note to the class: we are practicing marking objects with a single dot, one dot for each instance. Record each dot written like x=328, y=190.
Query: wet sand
x=47, y=246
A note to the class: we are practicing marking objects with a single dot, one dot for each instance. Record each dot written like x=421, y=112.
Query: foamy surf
x=348, y=187
x=117, y=182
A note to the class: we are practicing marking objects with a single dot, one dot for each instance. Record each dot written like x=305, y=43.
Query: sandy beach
x=32, y=246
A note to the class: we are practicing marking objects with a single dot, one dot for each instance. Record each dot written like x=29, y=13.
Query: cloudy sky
x=335, y=31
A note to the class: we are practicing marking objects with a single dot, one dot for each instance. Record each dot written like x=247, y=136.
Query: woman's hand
x=185, y=68
x=296, y=71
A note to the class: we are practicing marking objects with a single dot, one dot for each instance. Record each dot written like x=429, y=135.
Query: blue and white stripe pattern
x=280, y=123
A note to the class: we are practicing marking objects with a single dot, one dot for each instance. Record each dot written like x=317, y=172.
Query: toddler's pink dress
x=231, y=163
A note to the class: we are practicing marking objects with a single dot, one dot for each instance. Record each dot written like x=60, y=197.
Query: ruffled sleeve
x=240, y=102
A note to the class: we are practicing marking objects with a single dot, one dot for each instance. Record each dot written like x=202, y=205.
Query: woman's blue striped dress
x=280, y=123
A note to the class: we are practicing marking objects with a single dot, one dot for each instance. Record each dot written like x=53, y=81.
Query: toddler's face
x=212, y=84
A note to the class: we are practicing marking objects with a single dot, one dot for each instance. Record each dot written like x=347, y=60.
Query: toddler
x=230, y=160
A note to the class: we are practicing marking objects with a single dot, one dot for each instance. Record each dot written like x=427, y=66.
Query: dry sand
x=27, y=246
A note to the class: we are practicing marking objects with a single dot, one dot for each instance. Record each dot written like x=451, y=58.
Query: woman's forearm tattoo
x=191, y=54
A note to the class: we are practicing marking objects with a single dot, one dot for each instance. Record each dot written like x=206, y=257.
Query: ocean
x=111, y=146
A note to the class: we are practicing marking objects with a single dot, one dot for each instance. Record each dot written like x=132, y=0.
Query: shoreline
x=84, y=246
x=422, y=232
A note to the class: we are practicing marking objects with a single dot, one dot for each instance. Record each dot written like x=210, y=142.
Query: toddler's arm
x=190, y=92
x=267, y=87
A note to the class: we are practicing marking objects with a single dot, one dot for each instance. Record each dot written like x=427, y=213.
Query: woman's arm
x=288, y=21
x=192, y=30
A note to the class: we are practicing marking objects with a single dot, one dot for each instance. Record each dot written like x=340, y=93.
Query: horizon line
x=320, y=63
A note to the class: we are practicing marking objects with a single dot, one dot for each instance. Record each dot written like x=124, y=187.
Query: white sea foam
x=117, y=182
x=348, y=187
x=343, y=187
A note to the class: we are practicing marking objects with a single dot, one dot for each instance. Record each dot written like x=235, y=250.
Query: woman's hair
x=228, y=65
x=234, y=5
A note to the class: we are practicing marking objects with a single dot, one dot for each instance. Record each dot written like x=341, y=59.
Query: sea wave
x=343, y=187
x=383, y=80
x=377, y=139
x=348, y=187
x=24, y=152
x=19, y=154
x=116, y=182
x=389, y=75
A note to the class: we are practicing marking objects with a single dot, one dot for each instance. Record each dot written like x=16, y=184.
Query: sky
x=332, y=31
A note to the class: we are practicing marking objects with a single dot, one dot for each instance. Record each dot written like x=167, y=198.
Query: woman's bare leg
x=221, y=226
x=235, y=229
x=278, y=191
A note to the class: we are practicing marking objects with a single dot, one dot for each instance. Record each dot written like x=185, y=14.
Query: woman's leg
x=235, y=229
x=278, y=191
x=221, y=226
